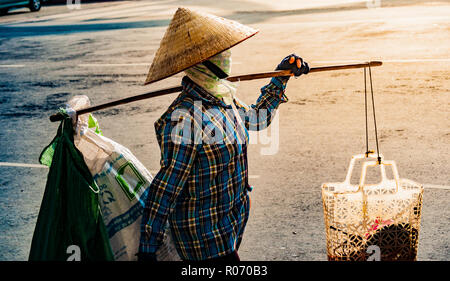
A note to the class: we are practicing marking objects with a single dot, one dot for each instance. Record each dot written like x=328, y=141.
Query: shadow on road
x=24, y=31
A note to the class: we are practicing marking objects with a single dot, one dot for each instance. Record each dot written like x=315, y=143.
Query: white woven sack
x=123, y=183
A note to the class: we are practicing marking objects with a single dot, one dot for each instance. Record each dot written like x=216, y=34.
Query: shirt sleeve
x=177, y=157
x=259, y=116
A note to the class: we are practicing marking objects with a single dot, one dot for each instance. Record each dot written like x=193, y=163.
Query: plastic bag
x=123, y=184
x=69, y=216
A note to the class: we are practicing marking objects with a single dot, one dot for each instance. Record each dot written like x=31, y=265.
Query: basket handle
x=361, y=156
x=384, y=179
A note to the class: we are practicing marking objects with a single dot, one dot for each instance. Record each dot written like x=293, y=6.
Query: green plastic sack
x=69, y=213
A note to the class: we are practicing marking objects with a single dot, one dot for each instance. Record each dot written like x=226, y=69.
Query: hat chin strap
x=215, y=69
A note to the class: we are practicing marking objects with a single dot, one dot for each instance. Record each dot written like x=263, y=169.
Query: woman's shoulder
x=182, y=108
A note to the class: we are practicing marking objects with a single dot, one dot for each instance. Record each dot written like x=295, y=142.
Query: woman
x=202, y=186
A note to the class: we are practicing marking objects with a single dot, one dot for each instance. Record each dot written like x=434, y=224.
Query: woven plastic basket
x=372, y=221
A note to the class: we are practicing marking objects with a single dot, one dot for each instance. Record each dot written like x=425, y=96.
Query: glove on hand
x=295, y=64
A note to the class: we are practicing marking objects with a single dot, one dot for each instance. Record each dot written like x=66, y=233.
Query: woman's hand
x=295, y=64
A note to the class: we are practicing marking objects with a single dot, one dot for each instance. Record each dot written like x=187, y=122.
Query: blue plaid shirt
x=202, y=186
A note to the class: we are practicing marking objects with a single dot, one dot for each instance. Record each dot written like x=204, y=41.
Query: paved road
x=104, y=51
x=45, y=58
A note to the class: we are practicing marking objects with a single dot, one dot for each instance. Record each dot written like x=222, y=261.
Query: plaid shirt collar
x=194, y=90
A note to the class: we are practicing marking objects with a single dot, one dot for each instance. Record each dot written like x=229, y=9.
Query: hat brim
x=200, y=61
x=191, y=38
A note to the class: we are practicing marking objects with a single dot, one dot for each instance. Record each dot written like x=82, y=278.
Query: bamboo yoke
x=58, y=117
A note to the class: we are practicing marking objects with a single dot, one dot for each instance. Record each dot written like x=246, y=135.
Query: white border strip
x=11, y=65
x=436, y=186
x=22, y=165
x=25, y=165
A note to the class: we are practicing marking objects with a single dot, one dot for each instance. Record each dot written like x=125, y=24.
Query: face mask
x=220, y=88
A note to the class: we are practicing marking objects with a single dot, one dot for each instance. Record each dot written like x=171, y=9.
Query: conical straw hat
x=191, y=38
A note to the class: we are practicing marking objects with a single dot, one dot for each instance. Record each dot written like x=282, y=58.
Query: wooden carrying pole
x=246, y=77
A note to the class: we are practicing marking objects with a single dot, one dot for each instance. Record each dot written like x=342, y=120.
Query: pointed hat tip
x=182, y=12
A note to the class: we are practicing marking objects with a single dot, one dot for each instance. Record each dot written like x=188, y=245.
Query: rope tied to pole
x=374, y=115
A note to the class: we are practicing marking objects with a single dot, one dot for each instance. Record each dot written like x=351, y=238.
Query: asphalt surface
x=104, y=51
x=39, y=72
